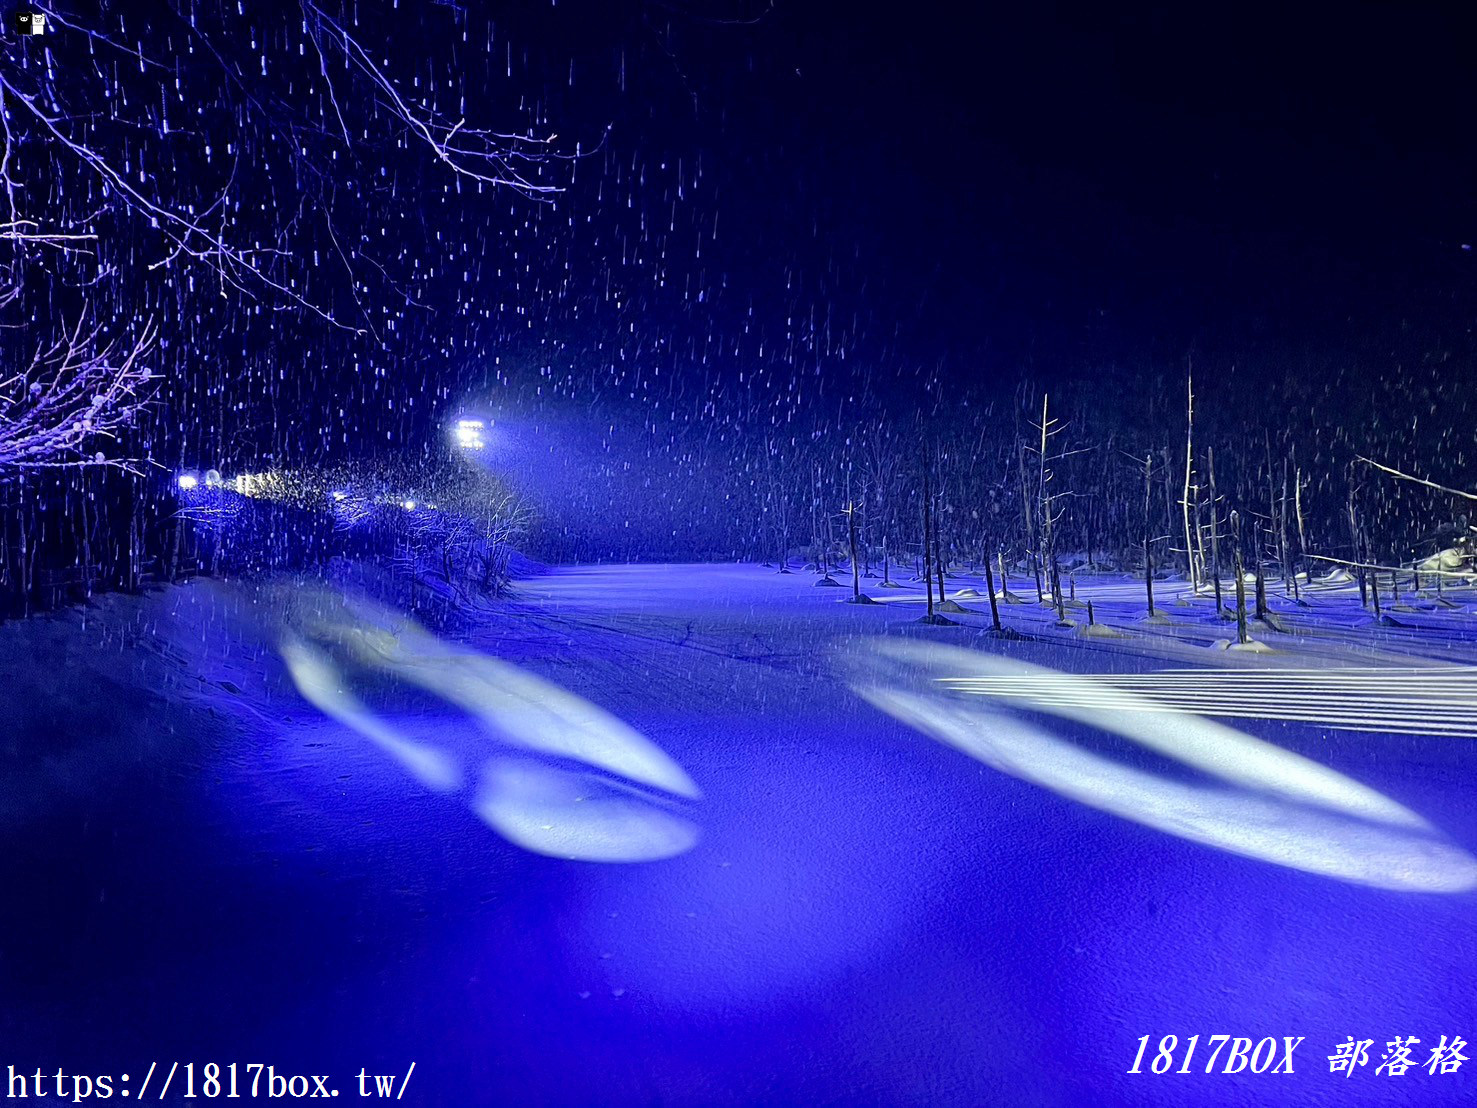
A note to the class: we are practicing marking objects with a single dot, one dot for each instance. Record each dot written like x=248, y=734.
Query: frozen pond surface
x=202, y=865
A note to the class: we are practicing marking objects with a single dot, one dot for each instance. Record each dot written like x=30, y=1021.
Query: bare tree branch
x=1416, y=480
x=75, y=391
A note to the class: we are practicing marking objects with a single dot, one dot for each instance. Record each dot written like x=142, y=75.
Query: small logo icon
x=29, y=22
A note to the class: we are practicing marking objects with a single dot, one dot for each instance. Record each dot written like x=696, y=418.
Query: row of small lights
x=468, y=434
x=244, y=484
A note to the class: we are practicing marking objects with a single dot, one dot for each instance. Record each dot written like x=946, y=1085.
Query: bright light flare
x=469, y=434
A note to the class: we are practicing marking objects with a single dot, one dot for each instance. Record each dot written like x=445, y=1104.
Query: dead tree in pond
x=990, y=588
x=938, y=554
x=1023, y=454
x=882, y=465
x=1284, y=549
x=1148, y=529
x=1215, y=532
x=1049, y=516
x=778, y=500
x=934, y=462
x=927, y=530
x=856, y=581
x=1302, y=533
x=1355, y=545
x=1261, y=579
x=1169, y=498
x=1190, y=490
x=1241, y=636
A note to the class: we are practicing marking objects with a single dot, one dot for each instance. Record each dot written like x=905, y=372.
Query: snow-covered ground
x=842, y=857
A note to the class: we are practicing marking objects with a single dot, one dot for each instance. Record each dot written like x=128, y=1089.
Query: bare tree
x=1215, y=535
x=1191, y=493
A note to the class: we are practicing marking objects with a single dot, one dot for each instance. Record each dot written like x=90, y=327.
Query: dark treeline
x=429, y=518
x=1114, y=475
x=70, y=534
x=1280, y=455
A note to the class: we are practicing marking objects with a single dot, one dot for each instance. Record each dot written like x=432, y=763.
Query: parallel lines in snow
x=1416, y=701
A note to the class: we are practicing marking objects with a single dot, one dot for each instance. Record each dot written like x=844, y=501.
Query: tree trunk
x=1169, y=504
x=1241, y=635
x=927, y=530
x=1215, y=534
x=1356, y=545
x=990, y=587
x=1261, y=582
x=1189, y=471
x=1148, y=527
x=1297, y=504
x=856, y=581
x=938, y=554
x=1149, y=574
x=1056, y=591
x=1284, y=546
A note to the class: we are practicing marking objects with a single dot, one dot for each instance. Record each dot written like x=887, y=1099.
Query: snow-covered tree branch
x=74, y=393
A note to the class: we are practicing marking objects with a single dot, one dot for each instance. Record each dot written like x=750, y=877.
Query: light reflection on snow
x=558, y=810
x=321, y=683
x=1428, y=700
x=551, y=811
x=1280, y=808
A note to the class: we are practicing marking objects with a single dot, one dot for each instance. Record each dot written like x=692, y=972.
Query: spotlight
x=469, y=434
x=408, y=505
x=187, y=480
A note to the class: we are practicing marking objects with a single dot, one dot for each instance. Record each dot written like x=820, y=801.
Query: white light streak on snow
x=549, y=811
x=515, y=705
x=1426, y=701
x=556, y=810
x=1282, y=808
x=321, y=684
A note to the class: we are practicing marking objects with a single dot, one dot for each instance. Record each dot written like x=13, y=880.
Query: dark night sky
x=1015, y=190
x=1066, y=187
x=1085, y=198
x=1191, y=176
x=806, y=208
x=775, y=221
